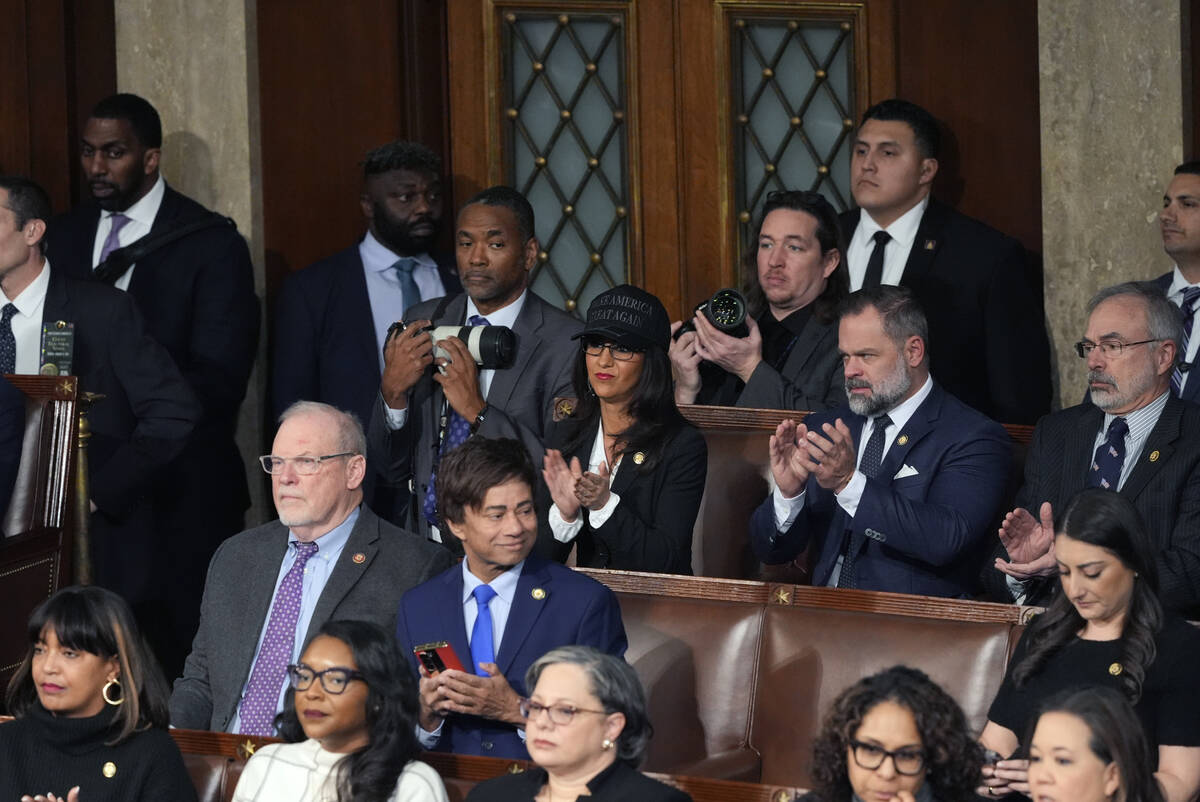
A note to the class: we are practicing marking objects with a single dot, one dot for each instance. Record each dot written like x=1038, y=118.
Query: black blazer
x=138, y=428
x=12, y=432
x=1164, y=486
x=1191, y=390
x=325, y=347
x=987, y=333
x=651, y=527
x=619, y=783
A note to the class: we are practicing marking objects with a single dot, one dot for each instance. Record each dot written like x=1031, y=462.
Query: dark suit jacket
x=922, y=533
x=1164, y=486
x=520, y=399
x=241, y=586
x=987, y=333
x=12, y=433
x=197, y=296
x=619, y=783
x=138, y=428
x=325, y=347
x=573, y=609
x=810, y=378
x=651, y=528
x=1191, y=389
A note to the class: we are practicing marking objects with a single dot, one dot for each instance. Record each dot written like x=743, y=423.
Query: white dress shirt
x=383, y=285
x=141, y=219
x=903, y=231
x=1179, y=284
x=27, y=322
x=565, y=532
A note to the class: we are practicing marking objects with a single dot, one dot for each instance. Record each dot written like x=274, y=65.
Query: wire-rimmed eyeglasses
x=1112, y=349
x=303, y=465
x=559, y=714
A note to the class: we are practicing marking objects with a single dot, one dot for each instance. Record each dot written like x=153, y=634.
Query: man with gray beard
x=896, y=490
x=1132, y=437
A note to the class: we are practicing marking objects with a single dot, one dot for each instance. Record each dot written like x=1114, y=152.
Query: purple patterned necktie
x=457, y=432
x=261, y=701
x=112, y=242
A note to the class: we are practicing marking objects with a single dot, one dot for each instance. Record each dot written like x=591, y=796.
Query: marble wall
x=1113, y=129
x=197, y=63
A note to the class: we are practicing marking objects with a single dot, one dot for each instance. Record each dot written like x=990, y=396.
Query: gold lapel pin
x=1154, y=456
x=62, y=324
x=902, y=439
x=930, y=244
x=109, y=770
x=538, y=594
x=639, y=458
x=359, y=557
x=1115, y=669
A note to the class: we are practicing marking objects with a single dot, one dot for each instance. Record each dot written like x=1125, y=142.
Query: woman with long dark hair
x=350, y=725
x=625, y=470
x=1088, y=746
x=895, y=735
x=91, y=709
x=1106, y=627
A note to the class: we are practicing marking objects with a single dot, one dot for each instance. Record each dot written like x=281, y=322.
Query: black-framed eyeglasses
x=561, y=715
x=1112, y=349
x=333, y=680
x=908, y=761
x=305, y=466
x=621, y=353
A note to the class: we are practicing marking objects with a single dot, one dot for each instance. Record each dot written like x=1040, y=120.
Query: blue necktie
x=404, y=271
x=1110, y=457
x=482, y=648
x=457, y=432
x=1187, y=315
x=869, y=466
x=8, y=342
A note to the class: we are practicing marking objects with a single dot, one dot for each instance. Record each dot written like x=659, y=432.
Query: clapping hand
x=592, y=489
x=72, y=796
x=1030, y=543
x=562, y=480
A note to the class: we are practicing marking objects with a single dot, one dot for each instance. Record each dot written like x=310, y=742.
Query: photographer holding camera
x=786, y=356
x=435, y=393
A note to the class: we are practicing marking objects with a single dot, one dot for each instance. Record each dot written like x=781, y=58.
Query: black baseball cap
x=628, y=316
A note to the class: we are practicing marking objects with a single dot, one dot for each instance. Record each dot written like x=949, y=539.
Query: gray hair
x=902, y=314
x=1162, y=316
x=615, y=684
x=350, y=435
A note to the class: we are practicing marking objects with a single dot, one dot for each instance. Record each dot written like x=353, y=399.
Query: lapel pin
x=62, y=324
x=359, y=557
x=1115, y=669
x=109, y=770
x=1154, y=456
x=538, y=594
x=902, y=439
x=930, y=244
x=639, y=458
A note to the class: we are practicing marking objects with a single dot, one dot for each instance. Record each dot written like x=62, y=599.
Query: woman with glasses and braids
x=587, y=729
x=355, y=701
x=895, y=737
x=624, y=469
x=1107, y=627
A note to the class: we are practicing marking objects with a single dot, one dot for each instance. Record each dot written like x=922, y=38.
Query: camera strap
x=120, y=260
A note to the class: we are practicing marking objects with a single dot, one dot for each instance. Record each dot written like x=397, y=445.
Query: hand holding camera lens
x=407, y=352
x=685, y=364
x=736, y=355
x=459, y=377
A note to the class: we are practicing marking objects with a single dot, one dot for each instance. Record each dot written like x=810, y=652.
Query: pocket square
x=907, y=470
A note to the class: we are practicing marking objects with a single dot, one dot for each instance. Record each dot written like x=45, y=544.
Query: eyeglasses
x=305, y=466
x=908, y=761
x=333, y=680
x=559, y=714
x=1112, y=349
x=620, y=353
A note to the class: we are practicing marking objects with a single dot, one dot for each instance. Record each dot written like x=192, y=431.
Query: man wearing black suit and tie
x=989, y=344
x=1180, y=224
x=425, y=413
x=1133, y=437
x=332, y=317
x=197, y=296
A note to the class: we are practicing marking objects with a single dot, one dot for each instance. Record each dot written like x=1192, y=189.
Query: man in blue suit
x=500, y=610
x=899, y=490
x=1179, y=221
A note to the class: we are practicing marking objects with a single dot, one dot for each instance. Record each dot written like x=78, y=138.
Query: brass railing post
x=83, y=495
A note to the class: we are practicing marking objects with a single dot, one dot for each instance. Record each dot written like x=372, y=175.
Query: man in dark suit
x=788, y=359
x=147, y=411
x=1180, y=224
x=1133, y=437
x=12, y=432
x=500, y=610
x=197, y=296
x=332, y=318
x=897, y=491
x=327, y=557
x=988, y=343
x=425, y=412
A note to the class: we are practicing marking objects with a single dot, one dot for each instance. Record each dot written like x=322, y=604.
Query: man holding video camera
x=431, y=402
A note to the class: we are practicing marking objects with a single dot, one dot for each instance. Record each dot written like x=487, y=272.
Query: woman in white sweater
x=355, y=701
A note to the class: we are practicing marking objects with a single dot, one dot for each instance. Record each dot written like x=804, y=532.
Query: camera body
x=726, y=310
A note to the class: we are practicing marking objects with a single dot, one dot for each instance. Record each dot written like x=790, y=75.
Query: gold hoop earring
x=606, y=744
x=105, y=689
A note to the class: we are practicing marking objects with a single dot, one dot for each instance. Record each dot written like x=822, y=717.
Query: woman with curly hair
x=355, y=701
x=1106, y=628
x=895, y=736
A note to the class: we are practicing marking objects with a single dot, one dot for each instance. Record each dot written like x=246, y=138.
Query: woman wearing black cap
x=627, y=472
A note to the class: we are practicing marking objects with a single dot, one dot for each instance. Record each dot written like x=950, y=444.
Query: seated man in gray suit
x=327, y=557
x=789, y=358
x=425, y=413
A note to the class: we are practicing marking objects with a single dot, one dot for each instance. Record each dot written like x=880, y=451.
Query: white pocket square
x=907, y=470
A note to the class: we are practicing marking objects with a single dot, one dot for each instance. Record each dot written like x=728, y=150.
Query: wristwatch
x=475, y=424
